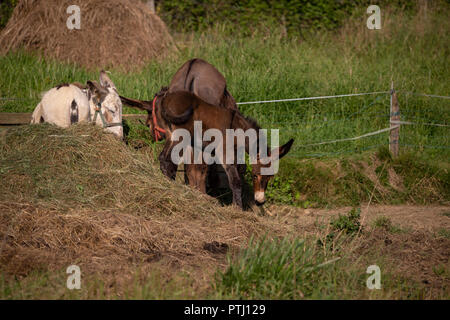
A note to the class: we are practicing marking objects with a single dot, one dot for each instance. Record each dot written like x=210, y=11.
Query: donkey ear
x=105, y=81
x=96, y=90
x=284, y=149
x=140, y=104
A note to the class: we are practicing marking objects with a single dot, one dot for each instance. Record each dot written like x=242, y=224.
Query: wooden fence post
x=394, y=118
x=151, y=5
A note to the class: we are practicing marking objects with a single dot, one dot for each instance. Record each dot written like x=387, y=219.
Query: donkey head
x=261, y=177
x=105, y=94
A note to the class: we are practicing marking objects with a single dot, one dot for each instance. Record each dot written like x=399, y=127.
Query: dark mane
x=252, y=122
x=162, y=92
x=62, y=85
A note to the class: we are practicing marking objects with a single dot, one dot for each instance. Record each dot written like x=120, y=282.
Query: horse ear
x=284, y=149
x=105, y=81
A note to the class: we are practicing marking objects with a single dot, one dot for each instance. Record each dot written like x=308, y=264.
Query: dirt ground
x=418, y=248
x=417, y=218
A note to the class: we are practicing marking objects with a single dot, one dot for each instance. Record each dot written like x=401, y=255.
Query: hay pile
x=67, y=198
x=114, y=33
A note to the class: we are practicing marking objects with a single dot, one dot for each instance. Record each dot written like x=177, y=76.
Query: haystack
x=113, y=33
x=79, y=194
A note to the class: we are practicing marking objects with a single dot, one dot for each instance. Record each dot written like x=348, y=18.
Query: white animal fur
x=55, y=106
x=56, y=103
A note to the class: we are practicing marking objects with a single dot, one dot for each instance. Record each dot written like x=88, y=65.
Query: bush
x=6, y=9
x=249, y=16
x=349, y=223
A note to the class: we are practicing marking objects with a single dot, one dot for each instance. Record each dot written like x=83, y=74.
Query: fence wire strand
x=394, y=123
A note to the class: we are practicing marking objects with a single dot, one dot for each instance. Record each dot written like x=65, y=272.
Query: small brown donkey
x=181, y=109
x=203, y=79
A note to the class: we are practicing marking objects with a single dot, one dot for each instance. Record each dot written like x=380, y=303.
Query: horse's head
x=105, y=96
x=261, y=177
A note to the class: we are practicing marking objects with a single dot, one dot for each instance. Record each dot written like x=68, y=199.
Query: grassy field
x=105, y=206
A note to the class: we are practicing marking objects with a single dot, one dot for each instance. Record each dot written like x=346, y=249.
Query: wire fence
x=322, y=133
x=335, y=133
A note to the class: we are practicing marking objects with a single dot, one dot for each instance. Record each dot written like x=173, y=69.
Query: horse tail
x=73, y=112
x=177, y=119
x=36, y=117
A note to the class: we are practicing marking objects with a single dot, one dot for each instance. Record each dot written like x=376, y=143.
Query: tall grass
x=279, y=269
x=299, y=269
x=410, y=50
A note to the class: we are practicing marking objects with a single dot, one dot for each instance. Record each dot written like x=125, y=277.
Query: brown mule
x=181, y=109
x=204, y=80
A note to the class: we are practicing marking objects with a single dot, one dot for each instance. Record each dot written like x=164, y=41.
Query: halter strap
x=157, y=130
x=98, y=109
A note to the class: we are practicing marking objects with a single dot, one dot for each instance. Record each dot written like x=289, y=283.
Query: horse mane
x=76, y=84
x=61, y=85
x=162, y=92
x=251, y=121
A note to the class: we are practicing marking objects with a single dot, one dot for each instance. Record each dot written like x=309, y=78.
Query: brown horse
x=204, y=80
x=181, y=109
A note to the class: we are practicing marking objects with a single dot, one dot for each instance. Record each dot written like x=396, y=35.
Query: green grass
x=386, y=223
x=445, y=233
x=348, y=223
x=278, y=269
x=354, y=179
x=300, y=269
x=40, y=284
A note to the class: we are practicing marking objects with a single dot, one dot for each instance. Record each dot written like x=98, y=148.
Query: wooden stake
x=151, y=5
x=395, y=116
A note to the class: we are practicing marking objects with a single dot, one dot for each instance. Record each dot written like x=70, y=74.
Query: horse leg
x=168, y=168
x=241, y=169
x=235, y=183
x=187, y=179
x=202, y=176
x=196, y=174
x=213, y=177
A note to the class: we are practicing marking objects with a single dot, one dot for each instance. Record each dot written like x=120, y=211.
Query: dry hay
x=80, y=196
x=114, y=33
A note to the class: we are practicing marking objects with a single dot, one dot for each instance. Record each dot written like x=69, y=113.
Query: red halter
x=157, y=130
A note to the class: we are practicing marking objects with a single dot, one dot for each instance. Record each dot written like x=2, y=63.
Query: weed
x=386, y=223
x=350, y=223
x=445, y=233
x=383, y=153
